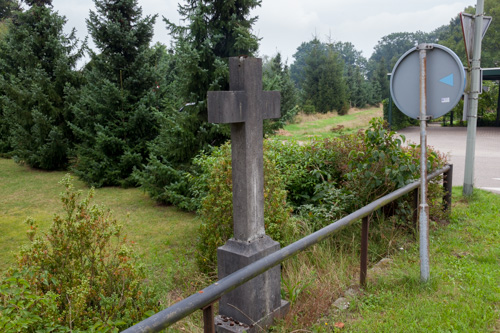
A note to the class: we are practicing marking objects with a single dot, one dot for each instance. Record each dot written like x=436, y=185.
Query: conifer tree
x=276, y=76
x=216, y=30
x=115, y=117
x=37, y=84
x=324, y=84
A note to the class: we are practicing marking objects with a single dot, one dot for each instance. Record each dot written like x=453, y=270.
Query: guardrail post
x=364, y=251
x=447, y=184
x=208, y=319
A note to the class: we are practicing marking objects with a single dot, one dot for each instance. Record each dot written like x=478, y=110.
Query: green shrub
x=398, y=119
x=217, y=208
x=383, y=165
x=81, y=275
x=328, y=179
x=24, y=310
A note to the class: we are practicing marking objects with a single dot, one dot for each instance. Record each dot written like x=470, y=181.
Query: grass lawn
x=326, y=125
x=165, y=235
x=463, y=294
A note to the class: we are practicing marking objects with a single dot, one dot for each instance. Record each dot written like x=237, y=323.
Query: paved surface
x=452, y=141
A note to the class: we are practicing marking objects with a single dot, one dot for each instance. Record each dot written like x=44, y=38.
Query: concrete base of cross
x=256, y=303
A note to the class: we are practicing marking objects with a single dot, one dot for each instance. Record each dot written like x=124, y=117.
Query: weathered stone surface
x=341, y=303
x=259, y=296
x=245, y=107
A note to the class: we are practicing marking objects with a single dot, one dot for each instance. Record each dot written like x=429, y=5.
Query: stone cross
x=245, y=107
x=257, y=302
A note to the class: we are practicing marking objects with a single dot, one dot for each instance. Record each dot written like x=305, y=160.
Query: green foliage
x=328, y=179
x=384, y=165
x=81, y=275
x=391, y=47
x=37, y=85
x=331, y=76
x=324, y=83
x=115, y=117
x=7, y=7
x=25, y=310
x=217, y=209
x=276, y=76
x=360, y=90
x=215, y=31
x=398, y=119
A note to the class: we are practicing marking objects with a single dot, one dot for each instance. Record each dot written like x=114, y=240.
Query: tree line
x=136, y=114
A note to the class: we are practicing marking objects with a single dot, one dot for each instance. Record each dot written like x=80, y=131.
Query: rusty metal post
x=364, y=251
x=447, y=184
x=208, y=319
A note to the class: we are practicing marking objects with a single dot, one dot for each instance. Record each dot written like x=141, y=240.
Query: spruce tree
x=115, y=117
x=7, y=7
x=215, y=31
x=37, y=84
x=276, y=76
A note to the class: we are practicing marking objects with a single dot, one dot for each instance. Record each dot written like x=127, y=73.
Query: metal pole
x=497, y=122
x=208, y=319
x=390, y=112
x=415, y=209
x=447, y=184
x=424, y=208
x=364, y=251
x=473, y=99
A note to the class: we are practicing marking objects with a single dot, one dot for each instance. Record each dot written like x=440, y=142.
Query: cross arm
x=226, y=107
x=271, y=101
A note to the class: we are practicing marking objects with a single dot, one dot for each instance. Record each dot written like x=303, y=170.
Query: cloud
x=360, y=22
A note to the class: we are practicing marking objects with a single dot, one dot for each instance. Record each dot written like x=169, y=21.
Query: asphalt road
x=452, y=141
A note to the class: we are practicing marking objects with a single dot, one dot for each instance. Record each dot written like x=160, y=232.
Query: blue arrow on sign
x=447, y=80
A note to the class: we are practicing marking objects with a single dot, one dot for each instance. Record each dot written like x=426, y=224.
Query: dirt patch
x=283, y=132
x=362, y=119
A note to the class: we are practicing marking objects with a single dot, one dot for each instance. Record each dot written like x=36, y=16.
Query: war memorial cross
x=258, y=301
x=245, y=107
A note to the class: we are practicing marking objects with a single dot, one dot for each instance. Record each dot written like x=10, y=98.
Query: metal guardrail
x=204, y=299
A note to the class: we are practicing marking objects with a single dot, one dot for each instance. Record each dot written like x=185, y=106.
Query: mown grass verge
x=164, y=236
x=463, y=294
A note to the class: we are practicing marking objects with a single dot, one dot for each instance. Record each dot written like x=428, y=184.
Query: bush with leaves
x=217, y=206
x=81, y=275
x=383, y=165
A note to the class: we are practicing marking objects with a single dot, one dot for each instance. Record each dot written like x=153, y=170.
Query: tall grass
x=463, y=294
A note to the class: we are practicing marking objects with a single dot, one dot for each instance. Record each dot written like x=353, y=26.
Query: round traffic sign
x=445, y=81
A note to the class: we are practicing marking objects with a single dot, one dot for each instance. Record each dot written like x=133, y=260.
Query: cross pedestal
x=257, y=302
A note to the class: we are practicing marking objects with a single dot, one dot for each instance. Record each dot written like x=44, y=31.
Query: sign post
x=424, y=207
x=475, y=69
x=426, y=82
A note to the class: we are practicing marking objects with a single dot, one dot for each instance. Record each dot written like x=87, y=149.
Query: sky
x=284, y=24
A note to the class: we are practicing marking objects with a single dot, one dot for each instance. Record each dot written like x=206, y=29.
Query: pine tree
x=115, y=117
x=37, y=84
